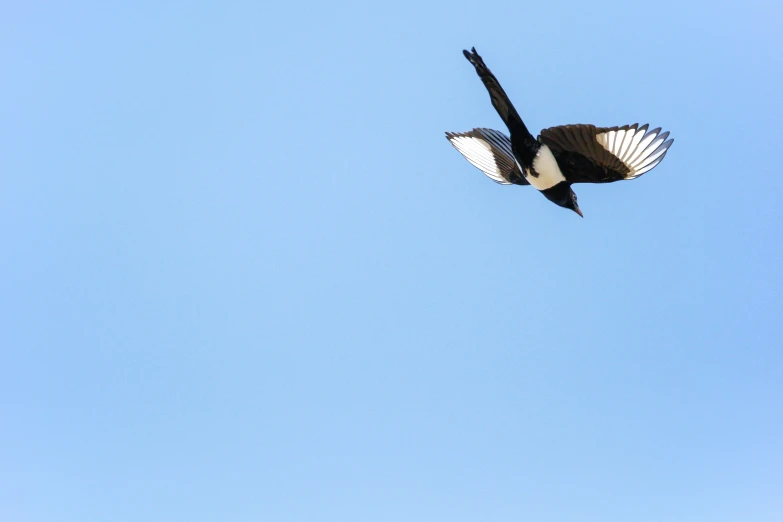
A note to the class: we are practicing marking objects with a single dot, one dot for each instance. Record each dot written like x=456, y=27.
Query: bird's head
x=571, y=203
x=568, y=200
x=562, y=195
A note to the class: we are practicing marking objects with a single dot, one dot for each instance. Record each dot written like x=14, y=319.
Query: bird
x=559, y=156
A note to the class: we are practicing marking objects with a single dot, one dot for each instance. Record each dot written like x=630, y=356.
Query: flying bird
x=560, y=156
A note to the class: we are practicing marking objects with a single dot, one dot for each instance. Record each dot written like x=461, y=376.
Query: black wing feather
x=586, y=154
x=491, y=152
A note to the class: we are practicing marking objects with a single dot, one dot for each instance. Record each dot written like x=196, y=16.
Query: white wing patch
x=488, y=150
x=640, y=151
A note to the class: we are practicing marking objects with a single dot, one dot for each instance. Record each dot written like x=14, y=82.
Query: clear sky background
x=246, y=278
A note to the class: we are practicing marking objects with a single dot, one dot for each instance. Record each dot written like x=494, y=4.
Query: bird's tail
x=478, y=62
x=500, y=99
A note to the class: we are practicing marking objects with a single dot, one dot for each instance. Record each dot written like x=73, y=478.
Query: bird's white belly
x=547, y=169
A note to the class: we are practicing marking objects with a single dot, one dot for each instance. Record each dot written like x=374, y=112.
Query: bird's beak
x=579, y=211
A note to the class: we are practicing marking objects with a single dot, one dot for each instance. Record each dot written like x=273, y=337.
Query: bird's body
x=560, y=156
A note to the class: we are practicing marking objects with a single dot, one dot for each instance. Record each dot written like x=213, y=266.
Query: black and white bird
x=560, y=156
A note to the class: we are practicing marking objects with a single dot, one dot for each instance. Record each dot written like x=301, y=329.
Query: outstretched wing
x=489, y=151
x=589, y=154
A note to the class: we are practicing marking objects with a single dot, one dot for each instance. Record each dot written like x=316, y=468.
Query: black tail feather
x=520, y=136
x=474, y=58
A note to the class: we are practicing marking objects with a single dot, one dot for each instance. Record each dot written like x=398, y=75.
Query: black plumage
x=559, y=156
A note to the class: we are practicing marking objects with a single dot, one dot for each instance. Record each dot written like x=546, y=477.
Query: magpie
x=560, y=156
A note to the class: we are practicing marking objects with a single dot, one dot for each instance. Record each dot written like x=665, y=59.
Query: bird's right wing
x=589, y=154
x=489, y=151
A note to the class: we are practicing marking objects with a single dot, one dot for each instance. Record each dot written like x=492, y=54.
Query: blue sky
x=246, y=278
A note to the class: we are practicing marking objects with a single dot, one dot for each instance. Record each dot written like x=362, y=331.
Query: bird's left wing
x=589, y=154
x=489, y=151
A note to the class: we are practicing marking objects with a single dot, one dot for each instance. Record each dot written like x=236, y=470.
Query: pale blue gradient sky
x=246, y=278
